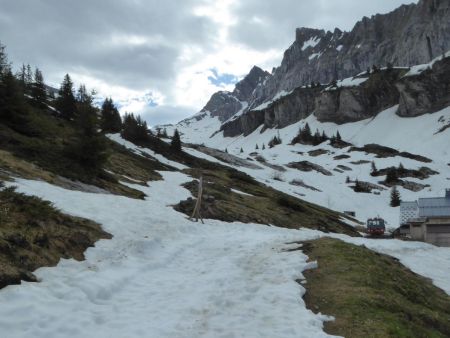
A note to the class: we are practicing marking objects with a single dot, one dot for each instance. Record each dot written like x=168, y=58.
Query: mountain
x=394, y=114
x=372, y=62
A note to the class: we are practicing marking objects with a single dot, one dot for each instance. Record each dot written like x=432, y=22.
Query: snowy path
x=163, y=276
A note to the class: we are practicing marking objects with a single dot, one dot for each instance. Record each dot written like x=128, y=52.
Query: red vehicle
x=376, y=226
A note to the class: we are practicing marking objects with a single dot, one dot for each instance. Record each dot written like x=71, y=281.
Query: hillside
x=404, y=109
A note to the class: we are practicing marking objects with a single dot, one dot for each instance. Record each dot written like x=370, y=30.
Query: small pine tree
x=226, y=150
x=38, y=91
x=347, y=180
x=263, y=147
x=241, y=151
x=164, y=133
x=338, y=136
x=401, y=169
x=257, y=148
x=66, y=102
x=374, y=170
x=395, y=197
x=111, y=121
x=176, y=141
x=90, y=150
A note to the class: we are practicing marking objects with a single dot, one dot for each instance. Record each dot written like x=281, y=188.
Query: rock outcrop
x=226, y=104
x=349, y=104
x=410, y=35
x=426, y=92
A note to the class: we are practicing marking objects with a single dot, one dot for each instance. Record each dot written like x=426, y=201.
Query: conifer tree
x=134, y=128
x=263, y=147
x=242, y=150
x=395, y=197
x=391, y=176
x=90, y=150
x=374, y=170
x=66, y=103
x=256, y=148
x=338, y=136
x=176, y=141
x=21, y=76
x=29, y=76
x=38, y=91
x=111, y=121
x=164, y=133
x=4, y=63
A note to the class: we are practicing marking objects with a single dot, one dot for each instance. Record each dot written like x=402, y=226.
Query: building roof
x=434, y=207
x=409, y=204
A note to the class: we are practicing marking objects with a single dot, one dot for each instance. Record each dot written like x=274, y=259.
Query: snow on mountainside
x=162, y=275
x=419, y=135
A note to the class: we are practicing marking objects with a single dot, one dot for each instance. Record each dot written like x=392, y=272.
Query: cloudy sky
x=164, y=59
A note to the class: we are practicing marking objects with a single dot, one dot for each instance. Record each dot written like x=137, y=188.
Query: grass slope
x=372, y=295
x=34, y=234
x=44, y=153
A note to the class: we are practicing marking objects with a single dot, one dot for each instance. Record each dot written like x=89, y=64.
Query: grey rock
x=425, y=93
x=226, y=104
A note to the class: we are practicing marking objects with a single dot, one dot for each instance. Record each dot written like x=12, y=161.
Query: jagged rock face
x=291, y=108
x=245, y=124
x=349, y=104
x=225, y=104
x=245, y=88
x=425, y=93
x=412, y=34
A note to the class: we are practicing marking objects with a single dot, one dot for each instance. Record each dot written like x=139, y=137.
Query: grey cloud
x=67, y=36
x=166, y=114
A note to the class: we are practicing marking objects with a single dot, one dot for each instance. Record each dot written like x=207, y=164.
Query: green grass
x=34, y=234
x=44, y=153
x=265, y=206
x=372, y=295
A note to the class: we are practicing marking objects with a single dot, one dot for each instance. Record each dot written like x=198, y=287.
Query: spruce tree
x=338, y=136
x=111, y=121
x=374, y=170
x=263, y=147
x=66, y=103
x=257, y=148
x=242, y=150
x=4, y=63
x=176, y=141
x=90, y=150
x=38, y=91
x=395, y=197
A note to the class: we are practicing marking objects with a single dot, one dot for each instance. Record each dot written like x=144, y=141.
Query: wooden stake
x=196, y=213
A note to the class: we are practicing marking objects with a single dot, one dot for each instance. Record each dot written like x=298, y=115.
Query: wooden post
x=196, y=213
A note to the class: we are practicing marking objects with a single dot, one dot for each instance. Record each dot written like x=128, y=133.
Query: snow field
x=163, y=276
x=416, y=135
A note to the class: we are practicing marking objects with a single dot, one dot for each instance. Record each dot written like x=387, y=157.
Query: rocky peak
x=244, y=88
x=224, y=104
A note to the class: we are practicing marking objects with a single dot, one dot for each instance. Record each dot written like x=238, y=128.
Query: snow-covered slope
x=164, y=276
x=419, y=135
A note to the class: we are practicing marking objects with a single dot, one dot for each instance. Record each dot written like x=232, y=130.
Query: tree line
x=25, y=92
